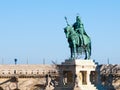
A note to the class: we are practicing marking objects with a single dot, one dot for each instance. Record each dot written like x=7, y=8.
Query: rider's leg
x=81, y=38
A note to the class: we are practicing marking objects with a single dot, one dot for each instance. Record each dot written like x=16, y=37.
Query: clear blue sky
x=33, y=29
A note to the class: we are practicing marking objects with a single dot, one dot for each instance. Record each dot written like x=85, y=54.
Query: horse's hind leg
x=89, y=51
x=71, y=52
x=85, y=55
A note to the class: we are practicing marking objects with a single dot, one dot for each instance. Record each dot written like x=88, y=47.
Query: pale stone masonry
x=26, y=69
x=48, y=77
x=76, y=75
x=25, y=77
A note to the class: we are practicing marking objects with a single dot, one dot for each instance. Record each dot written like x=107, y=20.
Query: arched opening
x=1, y=88
x=83, y=77
x=14, y=71
x=67, y=77
x=93, y=77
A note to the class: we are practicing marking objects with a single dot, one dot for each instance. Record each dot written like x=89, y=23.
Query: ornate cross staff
x=66, y=20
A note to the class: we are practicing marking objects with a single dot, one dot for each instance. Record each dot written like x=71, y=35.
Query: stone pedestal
x=75, y=74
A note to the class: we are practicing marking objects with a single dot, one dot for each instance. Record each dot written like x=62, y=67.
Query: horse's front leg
x=72, y=52
x=74, y=47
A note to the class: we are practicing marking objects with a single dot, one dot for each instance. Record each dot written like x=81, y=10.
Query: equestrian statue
x=79, y=41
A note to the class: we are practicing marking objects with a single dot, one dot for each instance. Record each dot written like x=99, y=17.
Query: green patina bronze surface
x=79, y=41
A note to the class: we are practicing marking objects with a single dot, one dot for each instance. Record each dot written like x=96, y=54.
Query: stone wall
x=26, y=69
x=36, y=77
x=26, y=77
x=109, y=76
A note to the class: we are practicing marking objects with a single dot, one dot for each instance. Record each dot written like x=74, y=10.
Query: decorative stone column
x=88, y=78
x=85, y=67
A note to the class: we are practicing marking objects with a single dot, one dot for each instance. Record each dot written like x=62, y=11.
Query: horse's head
x=67, y=30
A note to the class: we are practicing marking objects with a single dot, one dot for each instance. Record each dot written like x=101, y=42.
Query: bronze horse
x=75, y=43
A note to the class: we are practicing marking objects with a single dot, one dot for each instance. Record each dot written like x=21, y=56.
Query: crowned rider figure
x=79, y=28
